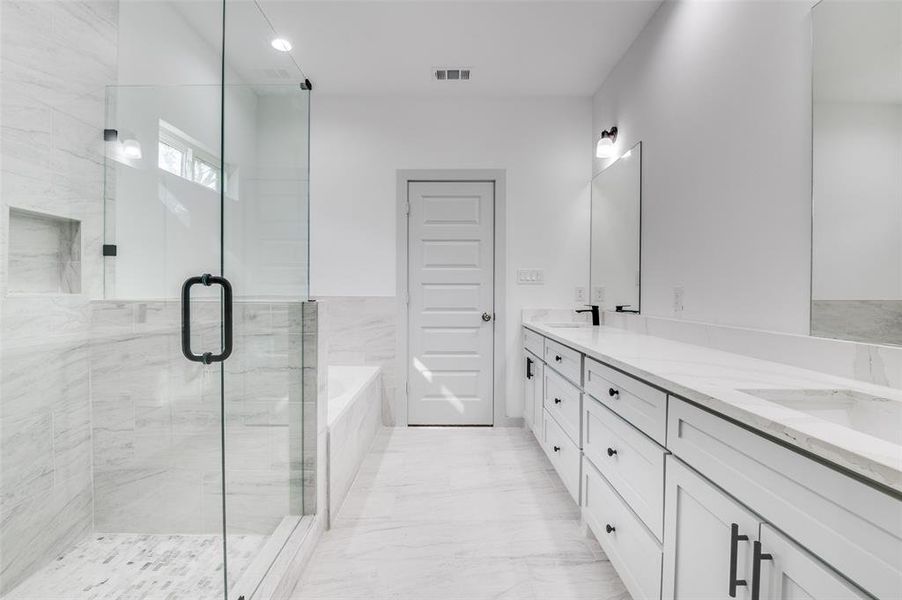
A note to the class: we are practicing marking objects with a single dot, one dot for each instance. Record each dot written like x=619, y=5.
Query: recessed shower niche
x=44, y=253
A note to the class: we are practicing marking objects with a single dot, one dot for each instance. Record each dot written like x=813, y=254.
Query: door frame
x=499, y=365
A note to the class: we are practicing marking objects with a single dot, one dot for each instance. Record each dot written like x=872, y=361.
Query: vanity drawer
x=854, y=528
x=562, y=400
x=564, y=360
x=630, y=461
x=632, y=549
x=563, y=453
x=533, y=342
x=639, y=403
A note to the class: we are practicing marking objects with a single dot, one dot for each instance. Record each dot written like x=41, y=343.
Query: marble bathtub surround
x=355, y=417
x=758, y=394
x=363, y=330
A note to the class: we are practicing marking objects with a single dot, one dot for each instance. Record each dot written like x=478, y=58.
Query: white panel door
x=451, y=312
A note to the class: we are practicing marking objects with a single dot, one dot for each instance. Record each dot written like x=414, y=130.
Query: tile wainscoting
x=363, y=330
x=156, y=419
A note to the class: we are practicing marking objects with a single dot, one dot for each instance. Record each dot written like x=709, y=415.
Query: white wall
x=719, y=94
x=857, y=201
x=359, y=144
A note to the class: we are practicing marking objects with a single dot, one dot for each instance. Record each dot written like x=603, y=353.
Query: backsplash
x=870, y=363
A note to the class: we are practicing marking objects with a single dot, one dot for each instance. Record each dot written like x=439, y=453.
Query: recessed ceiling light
x=281, y=44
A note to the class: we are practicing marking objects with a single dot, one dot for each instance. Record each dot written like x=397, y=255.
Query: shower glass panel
x=146, y=450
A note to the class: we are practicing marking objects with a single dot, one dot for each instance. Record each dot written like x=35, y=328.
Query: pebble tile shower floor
x=125, y=566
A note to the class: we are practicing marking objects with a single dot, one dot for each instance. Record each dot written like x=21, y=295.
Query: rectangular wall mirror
x=616, y=233
x=856, y=287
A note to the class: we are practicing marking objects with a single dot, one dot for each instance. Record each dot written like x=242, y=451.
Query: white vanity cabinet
x=691, y=505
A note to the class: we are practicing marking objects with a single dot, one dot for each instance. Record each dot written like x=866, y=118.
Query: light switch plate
x=530, y=277
x=580, y=294
x=598, y=295
x=678, y=292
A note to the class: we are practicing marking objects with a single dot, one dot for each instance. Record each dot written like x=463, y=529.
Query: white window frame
x=192, y=152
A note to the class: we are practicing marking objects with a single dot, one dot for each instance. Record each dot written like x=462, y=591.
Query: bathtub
x=354, y=416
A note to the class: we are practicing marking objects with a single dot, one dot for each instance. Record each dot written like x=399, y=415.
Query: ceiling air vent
x=455, y=74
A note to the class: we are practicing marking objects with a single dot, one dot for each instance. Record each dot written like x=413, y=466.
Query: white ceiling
x=514, y=47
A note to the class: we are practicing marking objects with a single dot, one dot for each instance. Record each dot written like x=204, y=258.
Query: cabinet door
x=708, y=539
x=529, y=402
x=788, y=572
x=538, y=395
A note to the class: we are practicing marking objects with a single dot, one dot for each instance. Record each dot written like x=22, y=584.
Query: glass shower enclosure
x=185, y=288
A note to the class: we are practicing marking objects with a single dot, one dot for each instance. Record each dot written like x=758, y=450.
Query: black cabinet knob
x=557, y=448
x=611, y=452
x=612, y=392
x=557, y=358
x=557, y=400
x=610, y=528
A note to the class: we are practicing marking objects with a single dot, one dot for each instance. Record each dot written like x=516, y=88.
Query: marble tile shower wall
x=363, y=330
x=51, y=158
x=156, y=419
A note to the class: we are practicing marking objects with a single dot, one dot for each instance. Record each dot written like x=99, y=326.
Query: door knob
x=486, y=317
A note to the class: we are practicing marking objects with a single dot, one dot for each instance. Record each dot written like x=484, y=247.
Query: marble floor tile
x=447, y=514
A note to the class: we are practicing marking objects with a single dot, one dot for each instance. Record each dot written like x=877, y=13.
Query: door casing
x=398, y=406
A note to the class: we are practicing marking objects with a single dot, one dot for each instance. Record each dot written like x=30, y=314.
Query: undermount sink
x=871, y=415
x=567, y=325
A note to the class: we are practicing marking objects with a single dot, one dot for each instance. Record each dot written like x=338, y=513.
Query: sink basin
x=871, y=415
x=567, y=325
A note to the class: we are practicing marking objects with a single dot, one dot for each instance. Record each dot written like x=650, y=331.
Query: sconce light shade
x=605, y=146
x=131, y=148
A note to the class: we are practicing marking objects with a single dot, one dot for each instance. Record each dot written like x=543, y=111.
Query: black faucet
x=596, y=313
x=625, y=308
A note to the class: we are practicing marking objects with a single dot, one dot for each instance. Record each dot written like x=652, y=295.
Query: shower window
x=180, y=155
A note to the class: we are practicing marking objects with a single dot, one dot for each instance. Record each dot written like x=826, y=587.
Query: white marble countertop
x=842, y=428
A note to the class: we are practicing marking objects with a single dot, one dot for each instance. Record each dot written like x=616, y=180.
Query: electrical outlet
x=678, y=300
x=580, y=295
x=530, y=276
x=598, y=295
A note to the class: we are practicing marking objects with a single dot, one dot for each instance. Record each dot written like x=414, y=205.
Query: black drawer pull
x=557, y=400
x=612, y=392
x=735, y=538
x=610, y=528
x=757, y=557
x=611, y=452
x=557, y=448
x=558, y=358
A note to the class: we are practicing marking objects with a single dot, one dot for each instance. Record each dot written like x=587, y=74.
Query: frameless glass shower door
x=153, y=271
x=199, y=413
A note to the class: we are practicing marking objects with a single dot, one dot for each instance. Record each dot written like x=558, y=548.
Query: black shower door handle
x=207, y=280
